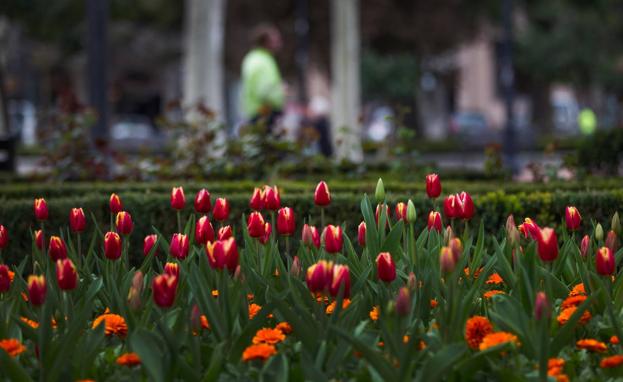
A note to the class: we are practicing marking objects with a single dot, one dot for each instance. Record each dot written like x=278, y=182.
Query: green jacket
x=261, y=82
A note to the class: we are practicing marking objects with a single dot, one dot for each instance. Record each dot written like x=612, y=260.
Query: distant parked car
x=135, y=133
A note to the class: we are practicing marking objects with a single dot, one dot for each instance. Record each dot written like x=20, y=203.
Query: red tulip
x=204, y=231
x=223, y=253
x=257, y=199
x=285, y=221
x=115, y=204
x=268, y=230
x=148, y=244
x=333, y=238
x=385, y=267
x=341, y=280
x=41, y=209
x=541, y=306
x=612, y=241
x=530, y=228
x=5, y=278
x=446, y=260
x=203, y=205
x=604, y=261
x=572, y=218
x=177, y=198
x=4, y=237
x=172, y=269
x=322, y=196
x=57, y=248
x=39, y=239
x=466, y=206
x=37, y=289
x=377, y=213
x=164, y=288
x=271, y=198
x=112, y=245
x=584, y=245
x=179, y=246
x=403, y=302
x=434, y=221
x=451, y=207
x=231, y=254
x=433, y=186
x=547, y=245
x=77, y=220
x=255, y=224
x=319, y=276
x=66, y=274
x=361, y=233
x=124, y=223
x=221, y=209
x=225, y=233
x=401, y=211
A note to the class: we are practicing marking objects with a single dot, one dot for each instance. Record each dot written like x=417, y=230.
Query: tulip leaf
x=11, y=368
x=442, y=362
x=149, y=349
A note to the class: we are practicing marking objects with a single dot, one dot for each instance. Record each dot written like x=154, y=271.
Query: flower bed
x=206, y=295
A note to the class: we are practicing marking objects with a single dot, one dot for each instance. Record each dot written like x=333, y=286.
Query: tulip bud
x=512, y=233
x=225, y=233
x=77, y=220
x=547, y=245
x=124, y=223
x=599, y=232
x=411, y=213
x=530, y=228
x=541, y=306
x=434, y=221
x=195, y=319
x=164, y=288
x=466, y=206
x=612, y=241
x=584, y=245
x=379, y=193
x=451, y=207
x=255, y=224
x=285, y=221
x=411, y=281
x=572, y=218
x=37, y=289
x=179, y=246
x=238, y=275
x=448, y=234
x=272, y=198
x=310, y=236
x=112, y=245
x=115, y=204
x=39, y=239
x=295, y=268
x=41, y=209
x=615, y=225
x=66, y=274
x=5, y=278
x=172, y=269
x=456, y=247
x=403, y=302
x=341, y=280
x=268, y=230
x=319, y=276
x=204, y=231
x=221, y=210
x=333, y=238
x=203, y=205
x=377, y=213
x=4, y=237
x=385, y=267
x=322, y=196
x=148, y=244
x=446, y=260
x=136, y=289
x=604, y=262
x=57, y=248
x=257, y=199
x=433, y=186
x=177, y=198
x=361, y=233
x=401, y=211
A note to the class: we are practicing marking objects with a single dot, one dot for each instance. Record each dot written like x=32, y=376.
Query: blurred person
x=263, y=92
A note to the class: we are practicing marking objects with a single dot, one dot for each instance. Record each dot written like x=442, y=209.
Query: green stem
x=179, y=221
x=322, y=218
x=79, y=250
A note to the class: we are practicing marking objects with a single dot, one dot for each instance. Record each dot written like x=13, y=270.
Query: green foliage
x=602, y=152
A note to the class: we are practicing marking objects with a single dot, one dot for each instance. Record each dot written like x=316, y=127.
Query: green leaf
x=11, y=368
x=149, y=349
x=442, y=362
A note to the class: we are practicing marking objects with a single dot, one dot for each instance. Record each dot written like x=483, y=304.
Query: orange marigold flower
x=214, y=292
x=254, y=309
x=592, y=345
x=554, y=371
x=562, y=378
x=575, y=300
x=12, y=346
x=285, y=327
x=29, y=322
x=476, y=274
x=405, y=339
x=115, y=324
x=128, y=359
x=11, y=276
x=86, y=380
x=497, y=338
x=612, y=361
x=577, y=290
x=566, y=314
x=433, y=303
x=204, y=322
x=374, y=313
x=476, y=328
x=495, y=279
x=491, y=293
x=614, y=340
x=331, y=307
x=555, y=362
x=268, y=336
x=259, y=351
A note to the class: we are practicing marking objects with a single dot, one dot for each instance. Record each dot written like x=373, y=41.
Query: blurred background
x=152, y=89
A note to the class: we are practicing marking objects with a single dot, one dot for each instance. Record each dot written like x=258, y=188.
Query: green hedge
x=153, y=210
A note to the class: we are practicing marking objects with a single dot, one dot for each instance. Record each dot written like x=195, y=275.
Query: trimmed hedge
x=153, y=210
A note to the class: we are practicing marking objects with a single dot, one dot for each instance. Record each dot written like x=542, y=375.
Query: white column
x=345, y=78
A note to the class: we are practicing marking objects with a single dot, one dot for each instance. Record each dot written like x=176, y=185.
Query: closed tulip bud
x=411, y=213
x=203, y=204
x=77, y=220
x=385, y=267
x=112, y=245
x=434, y=221
x=41, y=209
x=572, y=218
x=285, y=221
x=4, y=237
x=66, y=274
x=124, y=223
x=225, y=233
x=216, y=254
x=379, y=193
x=148, y=244
x=177, y=198
x=37, y=289
x=179, y=246
x=541, y=306
x=57, y=248
x=295, y=268
x=448, y=234
x=204, y=231
x=446, y=260
x=512, y=233
x=615, y=225
x=333, y=238
x=5, y=278
x=115, y=204
x=255, y=224
x=164, y=289
x=411, y=281
x=584, y=245
x=547, y=245
x=433, y=186
x=221, y=209
x=268, y=230
x=466, y=206
x=456, y=247
x=451, y=207
x=322, y=196
x=361, y=234
x=319, y=276
x=401, y=211
x=377, y=213
x=39, y=239
x=195, y=319
x=238, y=275
x=403, y=302
x=604, y=262
x=272, y=200
x=310, y=236
x=341, y=281
x=612, y=241
x=232, y=256
x=530, y=228
x=599, y=232
x=172, y=269
x=257, y=199
x=136, y=289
